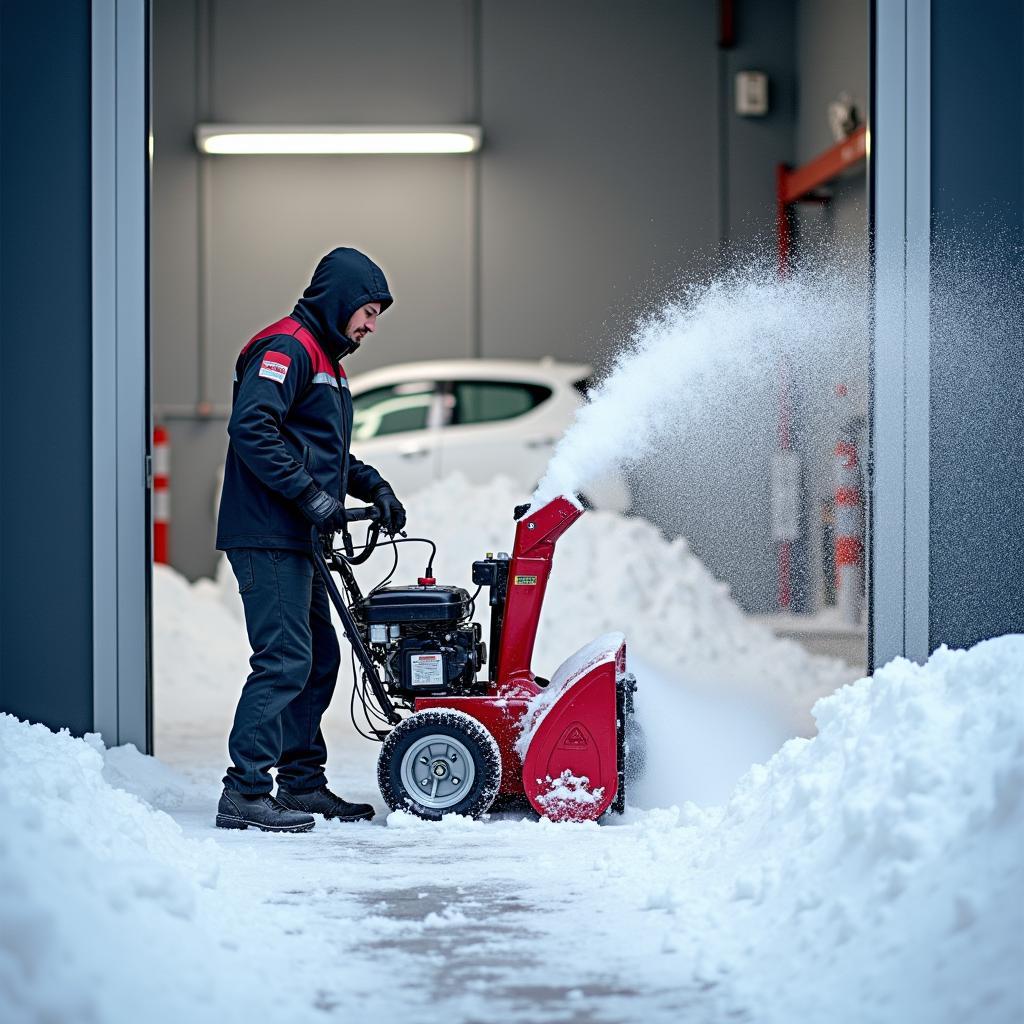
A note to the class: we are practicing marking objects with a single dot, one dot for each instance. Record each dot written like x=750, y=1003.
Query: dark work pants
x=295, y=661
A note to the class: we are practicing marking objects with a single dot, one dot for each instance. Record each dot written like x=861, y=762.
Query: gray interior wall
x=598, y=175
x=46, y=647
x=613, y=168
x=750, y=147
x=176, y=259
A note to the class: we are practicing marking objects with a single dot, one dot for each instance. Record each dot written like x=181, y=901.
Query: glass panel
x=391, y=410
x=485, y=401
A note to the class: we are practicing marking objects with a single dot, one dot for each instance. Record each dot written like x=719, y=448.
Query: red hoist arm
x=534, y=550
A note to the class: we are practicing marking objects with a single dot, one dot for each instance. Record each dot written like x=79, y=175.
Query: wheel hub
x=439, y=770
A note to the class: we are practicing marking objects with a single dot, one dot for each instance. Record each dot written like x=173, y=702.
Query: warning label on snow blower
x=426, y=670
x=526, y=581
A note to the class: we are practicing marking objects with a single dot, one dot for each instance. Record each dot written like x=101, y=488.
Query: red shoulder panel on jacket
x=290, y=326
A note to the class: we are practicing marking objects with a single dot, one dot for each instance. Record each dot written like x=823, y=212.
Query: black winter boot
x=237, y=810
x=323, y=801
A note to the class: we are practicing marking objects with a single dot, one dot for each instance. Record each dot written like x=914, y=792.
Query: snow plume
x=872, y=873
x=702, y=357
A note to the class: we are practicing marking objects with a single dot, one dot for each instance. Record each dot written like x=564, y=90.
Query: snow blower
x=470, y=741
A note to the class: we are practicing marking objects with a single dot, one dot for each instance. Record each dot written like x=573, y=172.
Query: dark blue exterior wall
x=977, y=358
x=45, y=355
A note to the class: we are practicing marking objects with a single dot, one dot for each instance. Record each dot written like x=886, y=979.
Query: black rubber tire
x=631, y=752
x=475, y=736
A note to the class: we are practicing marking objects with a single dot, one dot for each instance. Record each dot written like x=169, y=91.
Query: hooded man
x=288, y=466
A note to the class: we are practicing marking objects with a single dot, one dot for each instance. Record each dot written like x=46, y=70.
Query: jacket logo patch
x=275, y=366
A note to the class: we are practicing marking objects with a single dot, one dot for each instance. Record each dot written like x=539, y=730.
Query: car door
x=395, y=429
x=497, y=427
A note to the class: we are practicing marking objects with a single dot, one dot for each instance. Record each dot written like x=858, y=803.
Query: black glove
x=319, y=507
x=392, y=511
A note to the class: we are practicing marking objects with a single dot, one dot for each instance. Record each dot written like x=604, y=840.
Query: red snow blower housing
x=472, y=741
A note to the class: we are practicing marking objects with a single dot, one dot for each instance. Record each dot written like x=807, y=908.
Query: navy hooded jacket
x=291, y=413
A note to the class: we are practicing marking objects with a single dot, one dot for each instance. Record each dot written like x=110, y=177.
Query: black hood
x=343, y=281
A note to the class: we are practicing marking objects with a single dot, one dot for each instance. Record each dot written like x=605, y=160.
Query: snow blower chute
x=471, y=741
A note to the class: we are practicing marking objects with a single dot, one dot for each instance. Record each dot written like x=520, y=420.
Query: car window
x=391, y=410
x=485, y=401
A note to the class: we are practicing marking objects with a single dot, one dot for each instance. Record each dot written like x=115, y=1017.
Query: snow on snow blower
x=472, y=742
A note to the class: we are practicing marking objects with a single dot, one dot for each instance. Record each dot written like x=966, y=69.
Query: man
x=288, y=466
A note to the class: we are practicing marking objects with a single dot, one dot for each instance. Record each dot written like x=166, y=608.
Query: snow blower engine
x=480, y=729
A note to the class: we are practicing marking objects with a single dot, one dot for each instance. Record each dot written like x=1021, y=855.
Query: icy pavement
x=501, y=920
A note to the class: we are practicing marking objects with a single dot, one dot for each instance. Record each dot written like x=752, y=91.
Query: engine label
x=526, y=581
x=426, y=670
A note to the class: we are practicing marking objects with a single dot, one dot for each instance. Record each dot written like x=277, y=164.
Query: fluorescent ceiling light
x=295, y=139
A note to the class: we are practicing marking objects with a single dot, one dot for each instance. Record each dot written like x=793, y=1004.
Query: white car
x=418, y=422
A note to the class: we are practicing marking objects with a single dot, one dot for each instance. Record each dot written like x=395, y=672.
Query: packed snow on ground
x=869, y=874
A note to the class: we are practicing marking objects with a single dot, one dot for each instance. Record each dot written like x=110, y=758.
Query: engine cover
x=415, y=604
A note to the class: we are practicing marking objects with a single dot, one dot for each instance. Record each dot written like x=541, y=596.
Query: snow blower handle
x=352, y=515
x=355, y=515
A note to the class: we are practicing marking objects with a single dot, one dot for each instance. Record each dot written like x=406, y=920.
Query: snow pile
x=101, y=893
x=150, y=780
x=612, y=572
x=873, y=873
x=199, y=637
x=200, y=661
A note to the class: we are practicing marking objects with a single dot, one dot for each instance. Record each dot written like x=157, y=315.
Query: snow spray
x=706, y=354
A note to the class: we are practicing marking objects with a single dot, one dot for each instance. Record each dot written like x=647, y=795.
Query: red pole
x=849, y=519
x=161, y=494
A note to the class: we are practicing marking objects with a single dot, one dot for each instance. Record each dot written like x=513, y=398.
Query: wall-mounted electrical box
x=751, y=93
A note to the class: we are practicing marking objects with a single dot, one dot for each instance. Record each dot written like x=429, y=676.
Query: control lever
x=354, y=515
